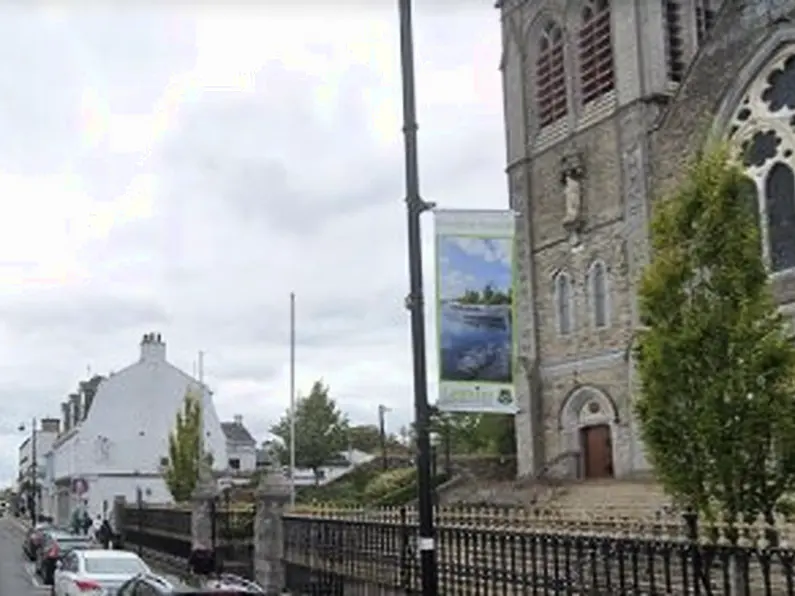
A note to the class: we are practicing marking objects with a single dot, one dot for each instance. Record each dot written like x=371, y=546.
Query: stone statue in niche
x=572, y=175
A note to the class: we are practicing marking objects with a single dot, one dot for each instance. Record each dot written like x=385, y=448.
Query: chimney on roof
x=89, y=390
x=74, y=400
x=67, y=418
x=238, y=418
x=50, y=425
x=153, y=348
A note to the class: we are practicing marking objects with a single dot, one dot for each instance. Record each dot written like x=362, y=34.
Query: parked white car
x=95, y=572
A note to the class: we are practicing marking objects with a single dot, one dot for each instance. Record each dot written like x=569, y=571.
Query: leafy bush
x=407, y=493
x=347, y=490
x=388, y=482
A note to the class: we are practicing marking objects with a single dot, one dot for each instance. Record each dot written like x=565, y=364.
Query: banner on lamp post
x=474, y=310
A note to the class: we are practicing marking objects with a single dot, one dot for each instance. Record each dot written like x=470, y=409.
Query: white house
x=44, y=436
x=119, y=444
x=241, y=448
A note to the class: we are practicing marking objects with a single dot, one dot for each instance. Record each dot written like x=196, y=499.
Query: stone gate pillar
x=201, y=519
x=273, y=497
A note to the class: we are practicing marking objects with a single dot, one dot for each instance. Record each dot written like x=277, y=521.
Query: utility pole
x=415, y=206
x=292, y=398
x=382, y=410
x=34, y=509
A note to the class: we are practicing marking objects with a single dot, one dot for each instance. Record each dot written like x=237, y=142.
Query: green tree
x=498, y=433
x=714, y=357
x=321, y=430
x=468, y=433
x=365, y=437
x=182, y=469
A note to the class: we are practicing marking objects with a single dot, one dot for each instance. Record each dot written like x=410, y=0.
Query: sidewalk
x=18, y=522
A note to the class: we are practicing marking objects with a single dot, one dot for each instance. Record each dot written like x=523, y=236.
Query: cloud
x=183, y=170
x=490, y=250
x=456, y=283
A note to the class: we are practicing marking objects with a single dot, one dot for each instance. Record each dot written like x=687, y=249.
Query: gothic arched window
x=563, y=303
x=550, y=76
x=763, y=128
x=596, y=51
x=597, y=292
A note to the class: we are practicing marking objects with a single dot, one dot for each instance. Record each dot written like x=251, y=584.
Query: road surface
x=16, y=573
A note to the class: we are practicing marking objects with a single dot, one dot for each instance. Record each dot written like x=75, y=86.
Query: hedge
x=388, y=482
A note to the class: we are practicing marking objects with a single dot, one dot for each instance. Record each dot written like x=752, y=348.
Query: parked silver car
x=82, y=572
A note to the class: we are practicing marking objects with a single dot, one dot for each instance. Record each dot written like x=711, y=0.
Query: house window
x=597, y=281
x=596, y=51
x=674, y=41
x=705, y=19
x=763, y=130
x=551, y=76
x=234, y=464
x=563, y=303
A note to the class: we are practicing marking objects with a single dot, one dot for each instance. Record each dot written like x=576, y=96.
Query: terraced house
x=605, y=103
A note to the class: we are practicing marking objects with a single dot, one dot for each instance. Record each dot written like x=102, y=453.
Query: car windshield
x=113, y=566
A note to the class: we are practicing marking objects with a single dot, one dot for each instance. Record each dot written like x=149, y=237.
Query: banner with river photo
x=474, y=310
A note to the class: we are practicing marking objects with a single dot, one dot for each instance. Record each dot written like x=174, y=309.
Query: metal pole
x=448, y=455
x=35, y=473
x=415, y=206
x=382, y=435
x=292, y=398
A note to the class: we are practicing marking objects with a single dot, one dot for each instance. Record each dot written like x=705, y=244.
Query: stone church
x=606, y=103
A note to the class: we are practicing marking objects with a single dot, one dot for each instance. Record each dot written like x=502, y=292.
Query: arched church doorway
x=588, y=423
x=597, y=451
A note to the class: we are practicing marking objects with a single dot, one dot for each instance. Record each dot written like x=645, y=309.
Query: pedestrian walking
x=105, y=535
x=86, y=523
x=201, y=561
x=94, y=529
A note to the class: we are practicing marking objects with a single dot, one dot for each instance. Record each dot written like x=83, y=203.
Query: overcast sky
x=182, y=171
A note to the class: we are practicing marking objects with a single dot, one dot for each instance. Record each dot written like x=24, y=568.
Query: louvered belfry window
x=596, y=51
x=674, y=41
x=551, y=76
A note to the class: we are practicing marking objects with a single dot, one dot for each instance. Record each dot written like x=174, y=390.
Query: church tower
x=584, y=83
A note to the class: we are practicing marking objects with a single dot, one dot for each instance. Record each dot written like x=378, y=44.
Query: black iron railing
x=165, y=530
x=234, y=537
x=350, y=555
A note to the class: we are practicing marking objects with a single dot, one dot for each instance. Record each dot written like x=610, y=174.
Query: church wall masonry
x=584, y=187
x=684, y=128
x=572, y=226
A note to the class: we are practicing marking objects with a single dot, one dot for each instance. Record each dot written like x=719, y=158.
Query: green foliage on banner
x=486, y=296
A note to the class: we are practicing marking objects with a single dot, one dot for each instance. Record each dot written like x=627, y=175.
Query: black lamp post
x=416, y=304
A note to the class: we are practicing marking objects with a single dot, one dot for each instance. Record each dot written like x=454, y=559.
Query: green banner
x=474, y=310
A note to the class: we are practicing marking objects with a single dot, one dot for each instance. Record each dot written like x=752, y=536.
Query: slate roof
x=237, y=433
